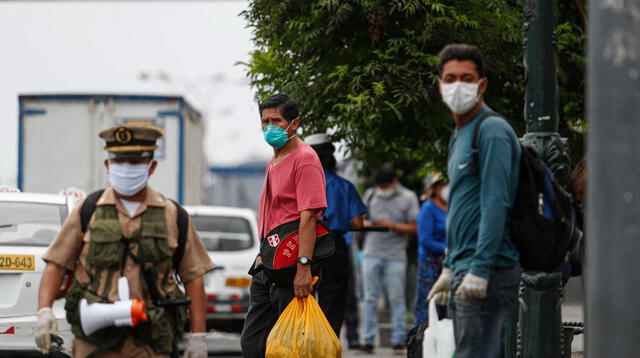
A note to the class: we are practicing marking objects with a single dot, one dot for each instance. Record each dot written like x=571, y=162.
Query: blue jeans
x=390, y=275
x=478, y=325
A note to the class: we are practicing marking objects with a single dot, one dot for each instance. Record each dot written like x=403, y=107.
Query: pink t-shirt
x=295, y=184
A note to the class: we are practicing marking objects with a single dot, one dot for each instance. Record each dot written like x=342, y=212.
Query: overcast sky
x=80, y=47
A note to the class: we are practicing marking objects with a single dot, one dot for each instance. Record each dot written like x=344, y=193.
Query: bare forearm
x=50, y=284
x=307, y=233
x=307, y=240
x=406, y=229
x=357, y=222
x=197, y=310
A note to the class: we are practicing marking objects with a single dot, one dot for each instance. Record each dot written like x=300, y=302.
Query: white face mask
x=386, y=193
x=460, y=96
x=444, y=193
x=128, y=179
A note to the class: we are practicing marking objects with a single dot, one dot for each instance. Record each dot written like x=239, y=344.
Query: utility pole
x=539, y=328
x=613, y=197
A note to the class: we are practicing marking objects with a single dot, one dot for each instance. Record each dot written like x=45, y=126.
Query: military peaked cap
x=131, y=141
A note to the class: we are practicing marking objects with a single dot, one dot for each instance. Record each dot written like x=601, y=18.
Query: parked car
x=231, y=237
x=28, y=224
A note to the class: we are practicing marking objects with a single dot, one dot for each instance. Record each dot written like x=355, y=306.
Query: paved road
x=231, y=343
x=228, y=345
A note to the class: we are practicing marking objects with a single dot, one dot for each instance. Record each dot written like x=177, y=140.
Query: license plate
x=238, y=282
x=18, y=262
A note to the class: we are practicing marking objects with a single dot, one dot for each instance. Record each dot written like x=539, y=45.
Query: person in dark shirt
x=481, y=266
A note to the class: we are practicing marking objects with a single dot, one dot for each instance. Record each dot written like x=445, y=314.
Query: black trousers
x=334, y=287
x=267, y=302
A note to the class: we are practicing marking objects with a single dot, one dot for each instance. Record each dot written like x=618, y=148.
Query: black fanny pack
x=279, y=251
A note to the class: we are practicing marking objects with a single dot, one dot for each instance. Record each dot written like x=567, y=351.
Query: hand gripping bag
x=302, y=331
x=438, y=337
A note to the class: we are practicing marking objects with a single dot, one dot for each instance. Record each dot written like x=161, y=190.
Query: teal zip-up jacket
x=479, y=203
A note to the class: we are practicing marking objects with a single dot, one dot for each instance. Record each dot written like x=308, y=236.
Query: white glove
x=46, y=326
x=196, y=346
x=472, y=287
x=443, y=283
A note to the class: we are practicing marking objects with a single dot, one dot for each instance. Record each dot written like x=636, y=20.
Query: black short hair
x=287, y=107
x=462, y=52
x=384, y=175
x=325, y=153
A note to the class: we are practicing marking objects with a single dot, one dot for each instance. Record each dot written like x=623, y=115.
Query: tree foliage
x=367, y=69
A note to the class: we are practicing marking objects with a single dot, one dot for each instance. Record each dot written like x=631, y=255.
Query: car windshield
x=30, y=224
x=223, y=233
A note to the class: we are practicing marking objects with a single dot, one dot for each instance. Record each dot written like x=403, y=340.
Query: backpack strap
x=88, y=208
x=183, y=228
x=475, y=152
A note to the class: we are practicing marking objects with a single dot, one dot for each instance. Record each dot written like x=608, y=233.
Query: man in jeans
x=384, y=262
x=481, y=266
x=294, y=189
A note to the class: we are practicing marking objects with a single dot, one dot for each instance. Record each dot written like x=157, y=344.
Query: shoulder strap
x=475, y=152
x=88, y=208
x=183, y=227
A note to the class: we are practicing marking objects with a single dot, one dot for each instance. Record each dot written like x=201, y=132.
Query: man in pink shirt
x=294, y=189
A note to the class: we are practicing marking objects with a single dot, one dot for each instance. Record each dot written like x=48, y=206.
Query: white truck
x=59, y=147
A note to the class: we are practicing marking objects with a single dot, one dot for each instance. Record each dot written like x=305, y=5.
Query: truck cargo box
x=59, y=145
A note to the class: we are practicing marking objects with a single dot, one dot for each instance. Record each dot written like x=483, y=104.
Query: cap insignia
x=123, y=135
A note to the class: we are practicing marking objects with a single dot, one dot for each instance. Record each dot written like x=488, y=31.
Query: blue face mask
x=276, y=136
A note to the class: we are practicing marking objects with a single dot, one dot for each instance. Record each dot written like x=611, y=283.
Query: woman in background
x=431, y=243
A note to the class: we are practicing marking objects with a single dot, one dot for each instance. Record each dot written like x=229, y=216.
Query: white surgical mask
x=444, y=193
x=128, y=179
x=385, y=193
x=460, y=96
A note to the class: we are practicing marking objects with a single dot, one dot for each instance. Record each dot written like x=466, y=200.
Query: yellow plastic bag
x=302, y=331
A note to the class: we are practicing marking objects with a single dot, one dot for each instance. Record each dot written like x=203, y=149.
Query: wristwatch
x=303, y=260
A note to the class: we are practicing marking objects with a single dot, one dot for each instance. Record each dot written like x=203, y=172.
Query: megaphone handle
x=123, y=288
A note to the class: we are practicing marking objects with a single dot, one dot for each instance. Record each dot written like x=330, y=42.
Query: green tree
x=368, y=69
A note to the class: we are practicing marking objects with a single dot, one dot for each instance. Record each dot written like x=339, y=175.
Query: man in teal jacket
x=482, y=264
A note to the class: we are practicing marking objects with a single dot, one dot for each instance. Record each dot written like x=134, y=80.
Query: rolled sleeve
x=67, y=245
x=196, y=261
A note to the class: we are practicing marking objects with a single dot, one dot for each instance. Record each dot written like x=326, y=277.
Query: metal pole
x=613, y=202
x=540, y=331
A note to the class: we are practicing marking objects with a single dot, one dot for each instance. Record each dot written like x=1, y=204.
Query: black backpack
x=89, y=207
x=543, y=217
